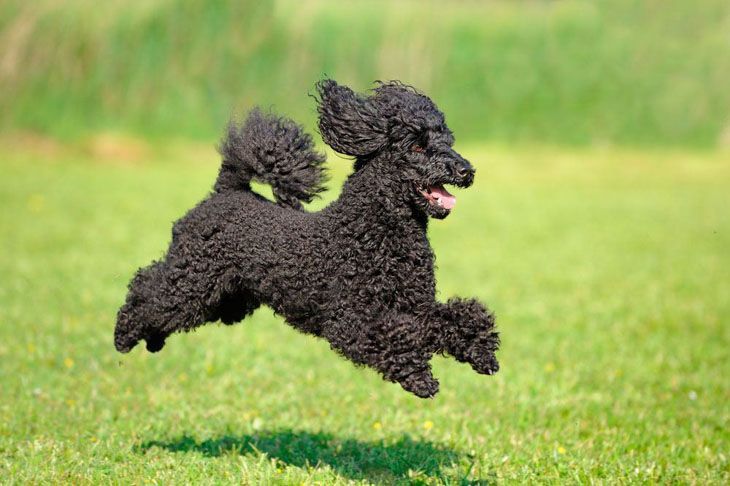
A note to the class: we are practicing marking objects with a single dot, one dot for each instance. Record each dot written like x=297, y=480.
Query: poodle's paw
x=124, y=344
x=155, y=342
x=483, y=361
x=124, y=348
x=421, y=383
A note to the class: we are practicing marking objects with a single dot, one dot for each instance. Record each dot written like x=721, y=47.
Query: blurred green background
x=578, y=72
x=597, y=229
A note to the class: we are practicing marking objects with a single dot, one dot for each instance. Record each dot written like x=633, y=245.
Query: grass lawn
x=608, y=271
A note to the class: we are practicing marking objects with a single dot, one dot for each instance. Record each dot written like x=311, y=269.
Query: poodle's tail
x=273, y=150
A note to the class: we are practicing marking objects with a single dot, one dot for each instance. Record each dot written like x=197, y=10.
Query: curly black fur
x=275, y=151
x=359, y=273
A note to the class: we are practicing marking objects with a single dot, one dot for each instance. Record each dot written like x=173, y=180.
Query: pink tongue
x=447, y=200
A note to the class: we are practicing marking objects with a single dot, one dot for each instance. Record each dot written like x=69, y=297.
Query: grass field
x=608, y=271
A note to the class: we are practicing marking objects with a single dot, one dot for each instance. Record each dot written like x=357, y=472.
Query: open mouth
x=439, y=197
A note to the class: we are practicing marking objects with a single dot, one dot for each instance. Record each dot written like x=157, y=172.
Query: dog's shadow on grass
x=354, y=459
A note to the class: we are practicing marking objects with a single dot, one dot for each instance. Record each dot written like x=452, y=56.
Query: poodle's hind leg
x=228, y=308
x=163, y=299
x=392, y=345
x=142, y=313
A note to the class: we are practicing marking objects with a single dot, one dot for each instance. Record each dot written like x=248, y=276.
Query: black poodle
x=359, y=273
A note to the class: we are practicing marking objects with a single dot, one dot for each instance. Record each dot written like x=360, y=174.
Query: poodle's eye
x=417, y=148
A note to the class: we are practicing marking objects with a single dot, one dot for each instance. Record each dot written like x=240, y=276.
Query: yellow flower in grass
x=427, y=425
x=69, y=363
x=377, y=426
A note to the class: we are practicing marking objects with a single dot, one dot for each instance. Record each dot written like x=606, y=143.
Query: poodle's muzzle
x=461, y=170
x=458, y=172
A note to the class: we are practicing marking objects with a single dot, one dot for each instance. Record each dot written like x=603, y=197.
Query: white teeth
x=438, y=201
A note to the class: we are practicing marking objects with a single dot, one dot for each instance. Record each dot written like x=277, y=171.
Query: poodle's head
x=403, y=133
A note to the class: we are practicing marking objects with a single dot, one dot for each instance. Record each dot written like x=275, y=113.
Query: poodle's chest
x=385, y=274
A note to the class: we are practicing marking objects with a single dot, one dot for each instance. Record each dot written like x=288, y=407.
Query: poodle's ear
x=349, y=123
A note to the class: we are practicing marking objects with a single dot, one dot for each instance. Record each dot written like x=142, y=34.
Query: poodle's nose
x=463, y=168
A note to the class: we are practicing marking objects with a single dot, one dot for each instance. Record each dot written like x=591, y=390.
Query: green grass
x=608, y=271
x=566, y=71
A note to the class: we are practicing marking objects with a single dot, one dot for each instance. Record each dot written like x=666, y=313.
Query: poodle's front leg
x=395, y=345
x=465, y=330
x=406, y=355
